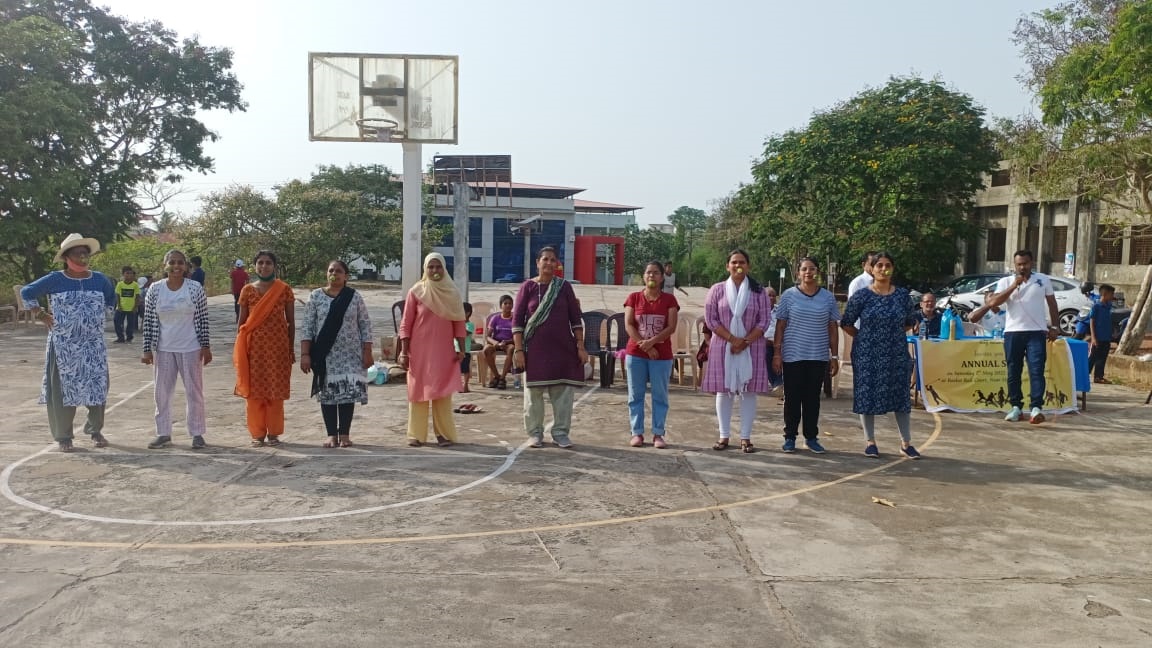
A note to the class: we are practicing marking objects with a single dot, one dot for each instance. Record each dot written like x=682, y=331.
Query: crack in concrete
x=768, y=595
x=78, y=581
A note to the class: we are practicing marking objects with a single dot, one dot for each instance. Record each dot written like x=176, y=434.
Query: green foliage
x=644, y=245
x=92, y=107
x=1091, y=64
x=145, y=255
x=690, y=224
x=340, y=213
x=892, y=168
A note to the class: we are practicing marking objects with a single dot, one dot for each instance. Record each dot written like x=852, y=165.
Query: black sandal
x=722, y=444
x=746, y=446
x=502, y=384
x=494, y=383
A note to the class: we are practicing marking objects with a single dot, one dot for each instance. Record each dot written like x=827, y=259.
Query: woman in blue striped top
x=806, y=340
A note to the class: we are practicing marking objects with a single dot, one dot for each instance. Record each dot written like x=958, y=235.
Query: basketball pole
x=461, y=193
x=411, y=266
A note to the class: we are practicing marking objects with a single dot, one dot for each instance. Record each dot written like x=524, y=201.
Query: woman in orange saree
x=264, y=355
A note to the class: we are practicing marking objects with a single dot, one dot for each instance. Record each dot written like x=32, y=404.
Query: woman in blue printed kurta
x=880, y=361
x=76, y=366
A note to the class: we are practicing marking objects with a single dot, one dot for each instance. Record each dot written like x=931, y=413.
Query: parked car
x=965, y=284
x=509, y=278
x=1069, y=301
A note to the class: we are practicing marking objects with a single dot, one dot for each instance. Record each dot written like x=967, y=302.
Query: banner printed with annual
x=972, y=376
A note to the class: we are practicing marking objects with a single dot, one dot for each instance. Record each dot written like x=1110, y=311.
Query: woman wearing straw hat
x=433, y=318
x=76, y=363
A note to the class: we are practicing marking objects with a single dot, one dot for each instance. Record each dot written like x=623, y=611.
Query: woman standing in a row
x=548, y=331
x=336, y=347
x=880, y=361
x=738, y=313
x=76, y=358
x=807, y=337
x=433, y=320
x=263, y=355
x=176, y=343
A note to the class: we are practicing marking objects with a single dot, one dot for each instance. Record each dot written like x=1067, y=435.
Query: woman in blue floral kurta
x=880, y=361
x=76, y=365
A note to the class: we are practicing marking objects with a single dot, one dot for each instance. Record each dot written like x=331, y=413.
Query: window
x=1108, y=245
x=1032, y=241
x=475, y=231
x=1141, y=252
x=1059, y=243
x=997, y=241
x=1002, y=178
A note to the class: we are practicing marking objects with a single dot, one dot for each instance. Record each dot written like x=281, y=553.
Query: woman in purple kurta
x=548, y=333
x=737, y=365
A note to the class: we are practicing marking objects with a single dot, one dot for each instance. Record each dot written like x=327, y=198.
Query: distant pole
x=461, y=195
x=412, y=261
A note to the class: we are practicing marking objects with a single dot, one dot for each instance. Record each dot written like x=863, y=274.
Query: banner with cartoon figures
x=972, y=376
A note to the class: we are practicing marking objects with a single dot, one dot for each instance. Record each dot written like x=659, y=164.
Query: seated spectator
x=928, y=316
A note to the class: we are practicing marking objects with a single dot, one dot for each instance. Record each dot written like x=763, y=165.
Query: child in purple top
x=497, y=338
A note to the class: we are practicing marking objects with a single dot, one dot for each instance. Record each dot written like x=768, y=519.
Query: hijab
x=441, y=297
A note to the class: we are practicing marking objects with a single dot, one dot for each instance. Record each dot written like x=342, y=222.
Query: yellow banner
x=972, y=376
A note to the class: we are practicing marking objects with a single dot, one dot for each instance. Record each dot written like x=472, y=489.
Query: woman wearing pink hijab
x=433, y=319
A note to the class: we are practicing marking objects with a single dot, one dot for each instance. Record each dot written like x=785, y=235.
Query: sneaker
x=872, y=451
x=814, y=446
x=910, y=452
x=637, y=441
x=789, y=444
x=118, y=341
x=1013, y=415
x=198, y=443
x=1037, y=416
x=658, y=442
x=535, y=442
x=564, y=443
x=99, y=441
x=160, y=442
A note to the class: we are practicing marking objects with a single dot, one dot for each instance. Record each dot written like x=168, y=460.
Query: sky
x=656, y=104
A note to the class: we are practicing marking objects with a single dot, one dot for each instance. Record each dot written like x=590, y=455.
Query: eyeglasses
x=79, y=254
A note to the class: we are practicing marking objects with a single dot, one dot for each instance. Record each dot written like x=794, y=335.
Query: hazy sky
x=655, y=104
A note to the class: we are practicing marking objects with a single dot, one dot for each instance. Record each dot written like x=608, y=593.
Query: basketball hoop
x=376, y=129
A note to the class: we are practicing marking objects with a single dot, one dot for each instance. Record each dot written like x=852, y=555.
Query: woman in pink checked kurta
x=433, y=319
x=737, y=359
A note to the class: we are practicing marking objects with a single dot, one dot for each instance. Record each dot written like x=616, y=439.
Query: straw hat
x=75, y=240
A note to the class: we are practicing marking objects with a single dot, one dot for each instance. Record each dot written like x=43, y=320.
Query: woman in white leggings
x=738, y=312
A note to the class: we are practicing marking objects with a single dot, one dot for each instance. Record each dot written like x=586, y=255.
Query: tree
x=92, y=108
x=690, y=224
x=893, y=168
x=1090, y=62
x=644, y=245
x=340, y=213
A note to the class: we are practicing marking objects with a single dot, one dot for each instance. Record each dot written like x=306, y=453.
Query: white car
x=1070, y=301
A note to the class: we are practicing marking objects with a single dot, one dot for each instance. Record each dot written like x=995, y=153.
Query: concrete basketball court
x=1004, y=534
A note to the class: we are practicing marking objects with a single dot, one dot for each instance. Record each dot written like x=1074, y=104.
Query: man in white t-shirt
x=1030, y=323
x=864, y=279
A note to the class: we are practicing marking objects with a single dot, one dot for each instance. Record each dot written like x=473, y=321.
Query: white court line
x=208, y=454
x=6, y=491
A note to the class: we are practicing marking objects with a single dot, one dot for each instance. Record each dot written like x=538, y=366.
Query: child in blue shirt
x=1100, y=334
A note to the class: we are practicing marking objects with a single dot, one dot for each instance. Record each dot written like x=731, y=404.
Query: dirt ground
x=1004, y=534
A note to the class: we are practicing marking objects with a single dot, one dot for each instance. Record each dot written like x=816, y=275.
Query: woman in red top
x=650, y=318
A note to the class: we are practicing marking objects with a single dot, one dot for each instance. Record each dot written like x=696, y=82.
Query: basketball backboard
x=382, y=97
